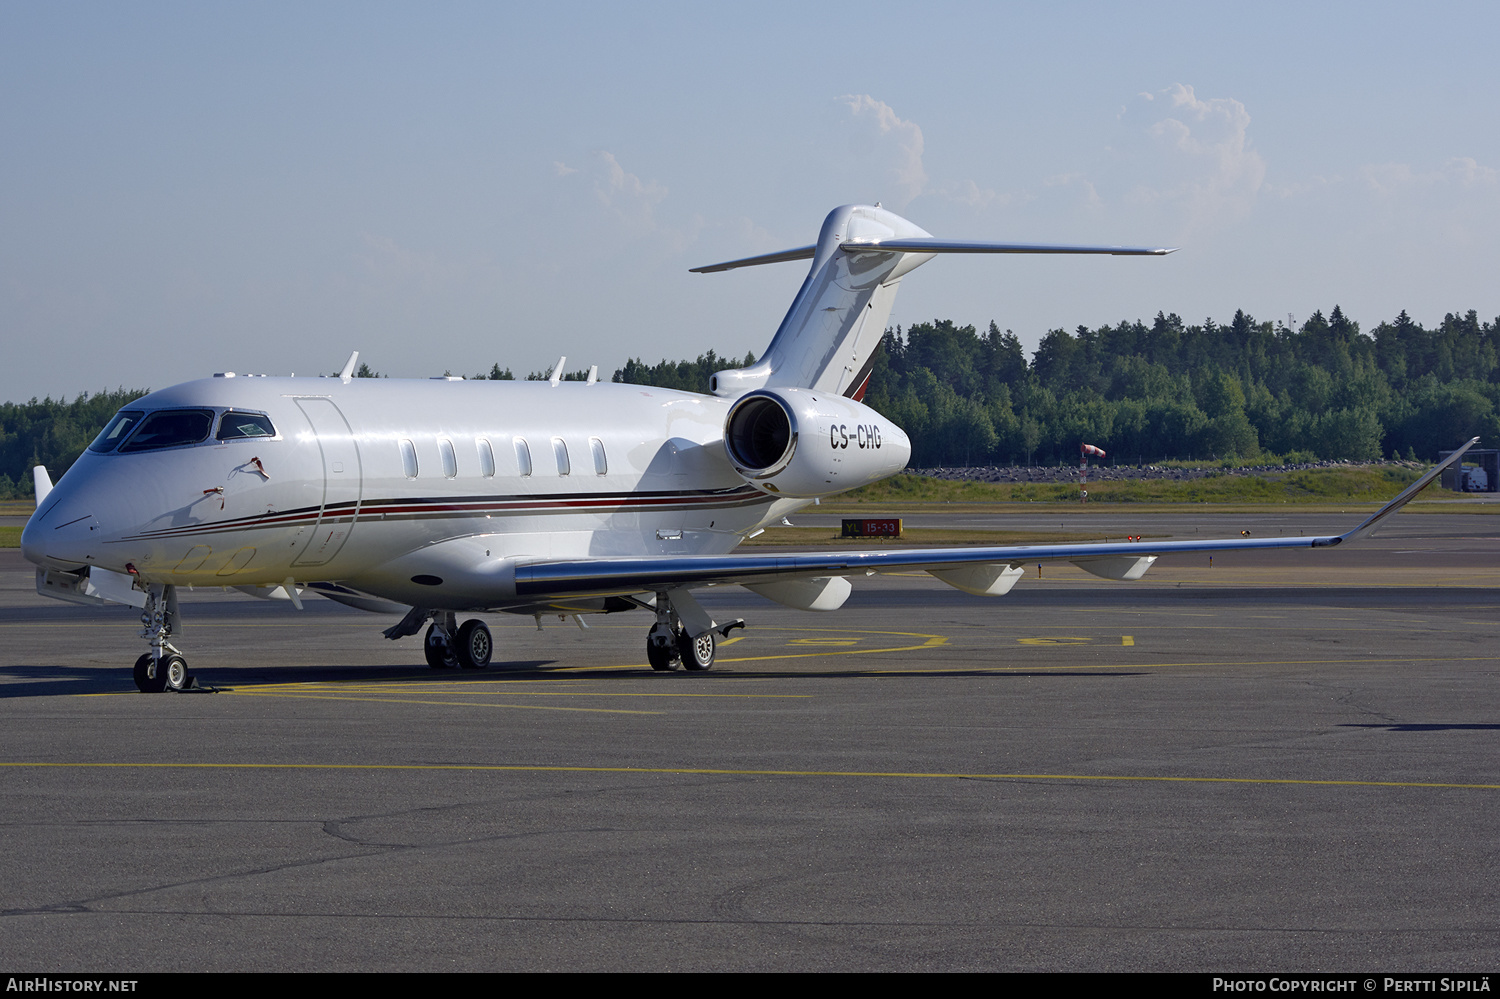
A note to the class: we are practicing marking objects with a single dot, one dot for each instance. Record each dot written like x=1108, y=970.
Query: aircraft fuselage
x=530, y=469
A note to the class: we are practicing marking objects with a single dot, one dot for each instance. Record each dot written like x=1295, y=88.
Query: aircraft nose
x=60, y=535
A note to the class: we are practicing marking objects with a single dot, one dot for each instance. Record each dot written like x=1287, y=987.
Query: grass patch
x=1374, y=484
x=10, y=537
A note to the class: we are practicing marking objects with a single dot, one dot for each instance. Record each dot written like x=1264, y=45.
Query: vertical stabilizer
x=829, y=336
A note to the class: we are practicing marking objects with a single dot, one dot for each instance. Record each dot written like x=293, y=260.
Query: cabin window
x=450, y=460
x=560, y=449
x=243, y=426
x=601, y=463
x=486, y=458
x=523, y=457
x=170, y=428
x=115, y=431
x=409, y=459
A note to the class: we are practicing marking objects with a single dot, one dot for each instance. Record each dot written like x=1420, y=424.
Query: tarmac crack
x=95, y=904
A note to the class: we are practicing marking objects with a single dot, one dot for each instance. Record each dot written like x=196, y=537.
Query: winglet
x=1406, y=496
x=43, y=483
x=348, y=370
x=557, y=372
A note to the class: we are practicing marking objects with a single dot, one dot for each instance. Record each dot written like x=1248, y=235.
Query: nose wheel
x=152, y=676
x=148, y=679
x=163, y=668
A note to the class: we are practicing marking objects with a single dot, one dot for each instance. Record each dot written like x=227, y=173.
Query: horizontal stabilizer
x=930, y=245
x=781, y=256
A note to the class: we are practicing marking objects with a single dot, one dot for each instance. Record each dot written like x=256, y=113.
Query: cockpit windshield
x=116, y=430
x=241, y=426
x=170, y=428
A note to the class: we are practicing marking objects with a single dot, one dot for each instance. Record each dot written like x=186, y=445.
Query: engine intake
x=804, y=444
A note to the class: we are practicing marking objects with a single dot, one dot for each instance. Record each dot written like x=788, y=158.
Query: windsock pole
x=1084, y=450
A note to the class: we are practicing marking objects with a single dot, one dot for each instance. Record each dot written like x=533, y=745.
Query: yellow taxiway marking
x=1083, y=664
x=716, y=771
x=1127, y=639
x=382, y=688
x=450, y=704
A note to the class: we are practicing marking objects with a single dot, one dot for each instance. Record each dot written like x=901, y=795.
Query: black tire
x=697, y=653
x=148, y=684
x=663, y=658
x=173, y=672
x=439, y=653
x=475, y=645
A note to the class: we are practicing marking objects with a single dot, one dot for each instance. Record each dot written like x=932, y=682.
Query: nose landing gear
x=163, y=668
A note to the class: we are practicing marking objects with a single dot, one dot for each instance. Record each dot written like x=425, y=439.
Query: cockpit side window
x=170, y=428
x=116, y=430
x=244, y=426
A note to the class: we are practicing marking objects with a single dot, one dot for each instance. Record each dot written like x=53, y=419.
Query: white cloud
x=971, y=195
x=881, y=134
x=1392, y=179
x=1214, y=171
x=634, y=203
x=1079, y=182
x=626, y=193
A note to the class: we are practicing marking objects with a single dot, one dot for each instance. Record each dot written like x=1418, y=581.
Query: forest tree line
x=1244, y=390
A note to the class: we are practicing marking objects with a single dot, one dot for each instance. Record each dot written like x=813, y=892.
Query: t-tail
x=829, y=337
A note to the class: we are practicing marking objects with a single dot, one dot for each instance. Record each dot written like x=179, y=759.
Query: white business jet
x=440, y=497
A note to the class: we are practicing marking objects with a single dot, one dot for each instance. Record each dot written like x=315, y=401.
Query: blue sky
x=190, y=188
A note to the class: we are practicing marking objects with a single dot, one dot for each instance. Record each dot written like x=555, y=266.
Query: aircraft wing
x=985, y=570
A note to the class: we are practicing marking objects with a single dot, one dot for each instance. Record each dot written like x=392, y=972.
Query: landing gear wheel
x=663, y=657
x=697, y=653
x=173, y=672
x=475, y=646
x=439, y=653
x=144, y=681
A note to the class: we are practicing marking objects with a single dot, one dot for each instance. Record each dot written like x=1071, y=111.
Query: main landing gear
x=163, y=668
x=449, y=646
x=684, y=634
x=446, y=645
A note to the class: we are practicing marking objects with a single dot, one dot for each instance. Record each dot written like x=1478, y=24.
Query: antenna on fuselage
x=348, y=369
x=593, y=374
x=557, y=371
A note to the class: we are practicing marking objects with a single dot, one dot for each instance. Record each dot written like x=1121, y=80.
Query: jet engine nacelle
x=803, y=443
